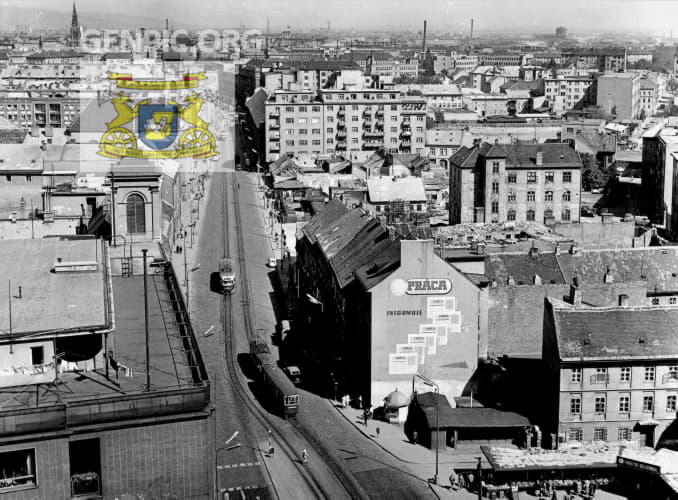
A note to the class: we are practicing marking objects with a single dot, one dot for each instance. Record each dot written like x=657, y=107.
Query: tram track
x=238, y=381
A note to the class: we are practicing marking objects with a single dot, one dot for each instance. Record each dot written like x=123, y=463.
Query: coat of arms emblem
x=158, y=125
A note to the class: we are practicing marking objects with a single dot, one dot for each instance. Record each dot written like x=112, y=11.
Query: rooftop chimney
x=424, y=42
x=540, y=158
x=575, y=293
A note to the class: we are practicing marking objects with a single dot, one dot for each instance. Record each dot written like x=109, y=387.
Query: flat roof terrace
x=89, y=396
x=51, y=301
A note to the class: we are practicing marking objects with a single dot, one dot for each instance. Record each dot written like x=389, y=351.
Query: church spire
x=75, y=28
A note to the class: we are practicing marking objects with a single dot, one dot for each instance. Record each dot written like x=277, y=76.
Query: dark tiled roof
x=332, y=211
x=657, y=265
x=333, y=237
x=369, y=241
x=379, y=265
x=465, y=157
x=492, y=150
x=618, y=333
x=523, y=268
x=555, y=155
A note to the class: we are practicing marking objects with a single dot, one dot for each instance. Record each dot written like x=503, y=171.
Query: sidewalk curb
x=368, y=436
x=362, y=431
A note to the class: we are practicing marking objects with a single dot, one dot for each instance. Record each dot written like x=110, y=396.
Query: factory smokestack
x=424, y=43
x=471, y=29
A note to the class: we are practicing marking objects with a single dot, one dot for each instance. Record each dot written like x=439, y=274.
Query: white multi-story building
x=563, y=93
x=437, y=95
x=344, y=121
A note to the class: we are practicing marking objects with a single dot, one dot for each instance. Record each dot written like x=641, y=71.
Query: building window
x=548, y=213
x=511, y=178
x=18, y=468
x=600, y=434
x=354, y=140
x=289, y=143
x=575, y=376
x=672, y=301
x=495, y=188
x=495, y=167
x=671, y=400
x=624, y=403
x=567, y=176
x=575, y=434
x=530, y=215
x=289, y=120
x=302, y=109
x=654, y=301
x=301, y=121
x=548, y=196
x=648, y=403
x=575, y=404
x=511, y=215
x=37, y=355
x=599, y=403
x=303, y=131
x=315, y=131
x=625, y=375
x=566, y=196
x=565, y=214
x=303, y=142
x=531, y=177
x=289, y=109
x=624, y=434
x=354, y=130
x=649, y=373
x=136, y=214
x=330, y=141
x=495, y=207
x=530, y=196
x=548, y=176
x=354, y=118
x=512, y=197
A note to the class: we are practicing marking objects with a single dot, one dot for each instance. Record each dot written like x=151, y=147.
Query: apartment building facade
x=344, y=121
x=40, y=108
x=613, y=372
x=515, y=182
x=503, y=59
x=619, y=94
x=564, y=93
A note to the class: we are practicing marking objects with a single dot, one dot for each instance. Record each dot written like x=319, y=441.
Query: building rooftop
x=581, y=457
x=500, y=267
x=615, y=332
x=43, y=306
x=172, y=370
x=386, y=189
x=656, y=265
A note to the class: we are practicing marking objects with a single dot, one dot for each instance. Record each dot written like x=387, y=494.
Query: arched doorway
x=136, y=214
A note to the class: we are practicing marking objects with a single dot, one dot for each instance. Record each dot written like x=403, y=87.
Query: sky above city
x=655, y=16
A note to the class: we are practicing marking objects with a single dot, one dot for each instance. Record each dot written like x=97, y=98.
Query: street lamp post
x=430, y=382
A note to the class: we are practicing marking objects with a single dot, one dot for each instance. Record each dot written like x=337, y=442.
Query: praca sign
x=428, y=286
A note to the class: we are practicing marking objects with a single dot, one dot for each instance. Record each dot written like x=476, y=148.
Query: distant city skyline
x=650, y=16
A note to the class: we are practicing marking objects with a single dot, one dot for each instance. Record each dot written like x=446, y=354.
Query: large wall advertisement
x=424, y=320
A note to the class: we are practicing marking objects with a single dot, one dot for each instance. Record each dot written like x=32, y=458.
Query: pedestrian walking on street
x=378, y=432
x=304, y=456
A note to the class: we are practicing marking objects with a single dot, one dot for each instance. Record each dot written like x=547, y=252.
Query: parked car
x=596, y=190
x=293, y=373
x=586, y=211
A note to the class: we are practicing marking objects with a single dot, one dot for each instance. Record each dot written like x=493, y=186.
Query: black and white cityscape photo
x=370, y=249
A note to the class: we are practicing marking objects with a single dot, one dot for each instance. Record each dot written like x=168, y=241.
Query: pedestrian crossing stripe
x=243, y=464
